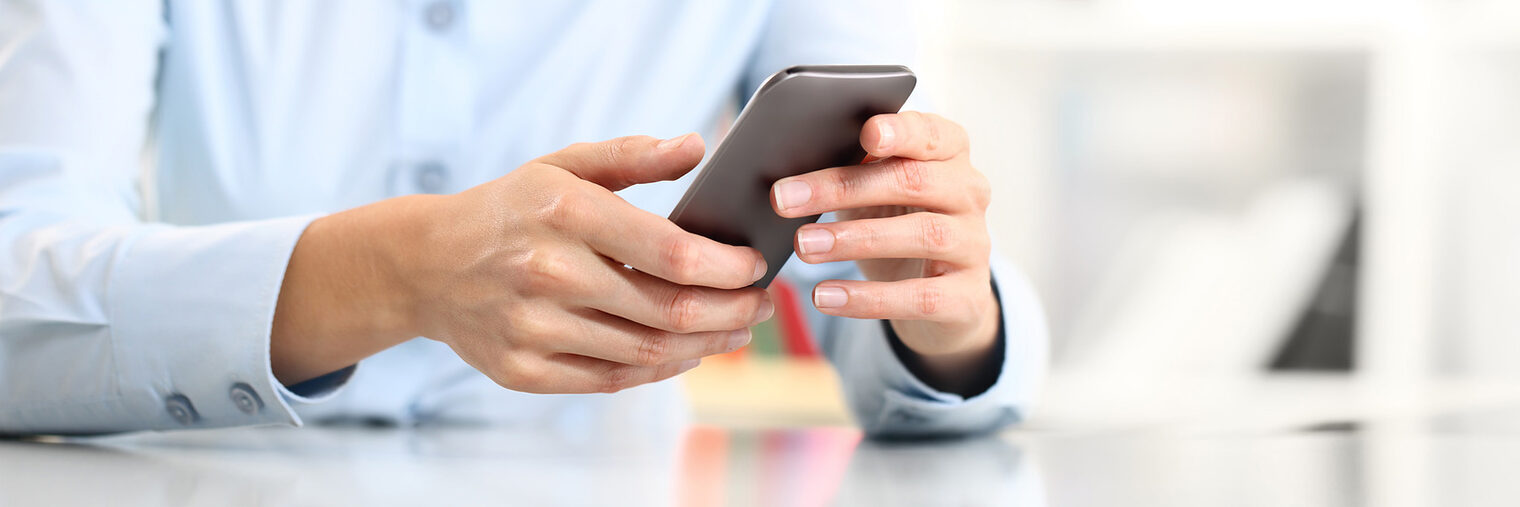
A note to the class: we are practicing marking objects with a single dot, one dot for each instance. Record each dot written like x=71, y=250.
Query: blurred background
x=1210, y=192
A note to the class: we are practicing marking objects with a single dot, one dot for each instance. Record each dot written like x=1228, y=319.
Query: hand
x=913, y=217
x=525, y=278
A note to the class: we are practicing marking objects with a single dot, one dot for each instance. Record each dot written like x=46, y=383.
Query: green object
x=767, y=339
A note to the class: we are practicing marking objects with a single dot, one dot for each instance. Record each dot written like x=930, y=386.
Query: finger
x=626, y=161
x=921, y=235
x=580, y=374
x=584, y=279
x=892, y=182
x=615, y=339
x=940, y=299
x=655, y=245
x=676, y=308
x=915, y=135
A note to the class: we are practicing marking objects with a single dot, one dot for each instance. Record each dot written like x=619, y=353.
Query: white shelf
x=1195, y=25
x=1412, y=48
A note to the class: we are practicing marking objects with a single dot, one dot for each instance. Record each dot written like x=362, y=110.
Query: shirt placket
x=437, y=96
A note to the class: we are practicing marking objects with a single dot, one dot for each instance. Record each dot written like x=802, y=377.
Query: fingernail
x=764, y=312
x=673, y=143
x=793, y=194
x=888, y=136
x=829, y=297
x=760, y=269
x=814, y=240
x=689, y=364
x=738, y=339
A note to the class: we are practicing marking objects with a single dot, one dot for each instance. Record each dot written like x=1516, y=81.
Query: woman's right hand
x=526, y=277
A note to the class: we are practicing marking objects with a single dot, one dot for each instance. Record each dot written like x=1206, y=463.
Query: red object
x=796, y=336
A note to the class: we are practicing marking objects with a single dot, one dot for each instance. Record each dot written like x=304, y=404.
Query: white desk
x=1462, y=459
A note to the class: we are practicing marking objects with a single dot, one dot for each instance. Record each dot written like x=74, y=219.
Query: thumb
x=627, y=161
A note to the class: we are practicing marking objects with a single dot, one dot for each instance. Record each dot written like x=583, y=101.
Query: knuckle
x=538, y=166
x=617, y=378
x=957, y=130
x=938, y=236
x=682, y=309
x=853, y=238
x=717, y=343
x=930, y=301
x=619, y=150
x=522, y=376
x=563, y=210
x=911, y=176
x=532, y=328
x=933, y=136
x=544, y=269
x=622, y=147
x=837, y=188
x=981, y=249
x=682, y=259
x=745, y=307
x=653, y=349
x=871, y=302
x=552, y=211
x=514, y=316
x=981, y=191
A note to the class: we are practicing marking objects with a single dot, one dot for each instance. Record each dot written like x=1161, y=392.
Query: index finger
x=915, y=135
x=626, y=161
x=655, y=245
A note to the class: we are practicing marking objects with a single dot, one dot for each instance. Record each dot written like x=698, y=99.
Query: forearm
x=343, y=299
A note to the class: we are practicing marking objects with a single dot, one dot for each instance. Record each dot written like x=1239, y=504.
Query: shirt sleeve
x=888, y=400
x=108, y=323
x=885, y=397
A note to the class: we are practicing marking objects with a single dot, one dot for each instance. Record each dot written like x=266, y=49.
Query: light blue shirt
x=159, y=160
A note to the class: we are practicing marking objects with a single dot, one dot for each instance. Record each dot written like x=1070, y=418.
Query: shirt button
x=440, y=15
x=245, y=398
x=180, y=409
x=432, y=177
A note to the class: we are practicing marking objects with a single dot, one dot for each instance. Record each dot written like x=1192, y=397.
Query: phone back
x=801, y=120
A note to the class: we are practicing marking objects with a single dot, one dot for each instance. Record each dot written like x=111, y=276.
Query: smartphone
x=802, y=119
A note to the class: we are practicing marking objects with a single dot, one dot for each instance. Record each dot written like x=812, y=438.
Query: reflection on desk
x=449, y=466
x=1442, y=459
x=824, y=466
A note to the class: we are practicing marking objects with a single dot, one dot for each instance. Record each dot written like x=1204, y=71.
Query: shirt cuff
x=192, y=310
x=891, y=402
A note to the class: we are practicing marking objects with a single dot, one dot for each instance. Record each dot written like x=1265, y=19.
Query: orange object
x=704, y=467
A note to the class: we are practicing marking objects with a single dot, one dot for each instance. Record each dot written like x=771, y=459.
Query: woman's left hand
x=913, y=217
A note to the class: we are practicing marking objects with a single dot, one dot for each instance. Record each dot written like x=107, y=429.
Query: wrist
x=967, y=370
x=342, y=298
x=385, y=240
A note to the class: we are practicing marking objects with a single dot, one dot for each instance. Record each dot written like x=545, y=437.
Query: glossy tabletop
x=1456, y=458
